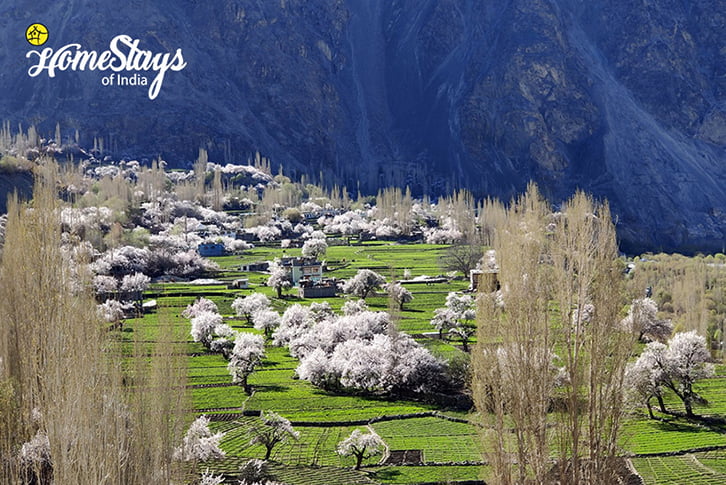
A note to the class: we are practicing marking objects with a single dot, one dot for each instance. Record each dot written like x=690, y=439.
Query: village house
x=239, y=284
x=211, y=249
x=257, y=267
x=324, y=289
x=307, y=269
x=487, y=280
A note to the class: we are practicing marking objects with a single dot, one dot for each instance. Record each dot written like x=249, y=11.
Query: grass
x=678, y=470
x=643, y=435
x=312, y=459
x=440, y=440
x=429, y=474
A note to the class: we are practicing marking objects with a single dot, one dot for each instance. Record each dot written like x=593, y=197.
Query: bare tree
x=562, y=291
x=274, y=429
x=66, y=373
x=462, y=256
x=595, y=345
x=512, y=365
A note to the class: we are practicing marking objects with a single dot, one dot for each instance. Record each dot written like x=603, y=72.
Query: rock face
x=622, y=98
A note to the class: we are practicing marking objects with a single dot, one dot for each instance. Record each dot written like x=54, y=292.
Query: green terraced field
x=440, y=440
x=312, y=459
x=429, y=474
x=642, y=435
x=678, y=470
x=315, y=447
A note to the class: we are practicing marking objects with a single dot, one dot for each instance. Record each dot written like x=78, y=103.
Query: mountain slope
x=622, y=98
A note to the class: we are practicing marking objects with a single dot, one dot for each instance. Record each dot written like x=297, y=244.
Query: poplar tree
x=549, y=365
x=62, y=382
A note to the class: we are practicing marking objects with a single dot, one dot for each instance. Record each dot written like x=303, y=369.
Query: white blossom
x=314, y=248
x=361, y=446
x=249, y=305
x=36, y=452
x=351, y=307
x=111, y=310
x=399, y=294
x=199, y=443
x=279, y=277
x=200, y=305
x=642, y=319
x=247, y=353
x=275, y=429
x=293, y=324
x=266, y=320
x=203, y=326
x=209, y=478
x=133, y=283
x=363, y=283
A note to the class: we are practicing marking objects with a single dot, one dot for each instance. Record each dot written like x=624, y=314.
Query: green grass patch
x=677, y=470
x=440, y=440
x=428, y=474
x=643, y=435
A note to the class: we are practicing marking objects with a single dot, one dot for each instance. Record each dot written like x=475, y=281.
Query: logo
x=36, y=34
x=128, y=62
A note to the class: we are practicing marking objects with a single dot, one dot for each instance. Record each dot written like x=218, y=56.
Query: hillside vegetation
x=396, y=355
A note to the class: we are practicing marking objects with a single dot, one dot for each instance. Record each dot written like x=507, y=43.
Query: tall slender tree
x=596, y=347
x=558, y=326
x=62, y=378
x=513, y=376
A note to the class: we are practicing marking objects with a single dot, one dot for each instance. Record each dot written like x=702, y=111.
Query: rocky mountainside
x=623, y=98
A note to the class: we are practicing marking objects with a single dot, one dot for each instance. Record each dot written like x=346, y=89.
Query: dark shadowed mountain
x=623, y=98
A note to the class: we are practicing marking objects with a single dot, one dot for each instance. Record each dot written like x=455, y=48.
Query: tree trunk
x=688, y=403
x=245, y=385
x=661, y=404
x=358, y=460
x=268, y=452
x=650, y=408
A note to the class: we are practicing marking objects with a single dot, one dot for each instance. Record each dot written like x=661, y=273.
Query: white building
x=303, y=269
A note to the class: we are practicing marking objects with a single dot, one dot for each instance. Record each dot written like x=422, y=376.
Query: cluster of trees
x=256, y=309
x=357, y=351
x=457, y=318
x=153, y=262
x=688, y=291
x=675, y=367
x=551, y=364
x=70, y=412
x=551, y=359
x=120, y=296
x=244, y=350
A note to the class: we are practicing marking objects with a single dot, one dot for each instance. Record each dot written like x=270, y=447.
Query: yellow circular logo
x=36, y=34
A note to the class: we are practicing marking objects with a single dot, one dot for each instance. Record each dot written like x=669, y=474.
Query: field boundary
x=702, y=449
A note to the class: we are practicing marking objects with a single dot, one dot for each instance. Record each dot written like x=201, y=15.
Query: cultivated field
x=442, y=445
